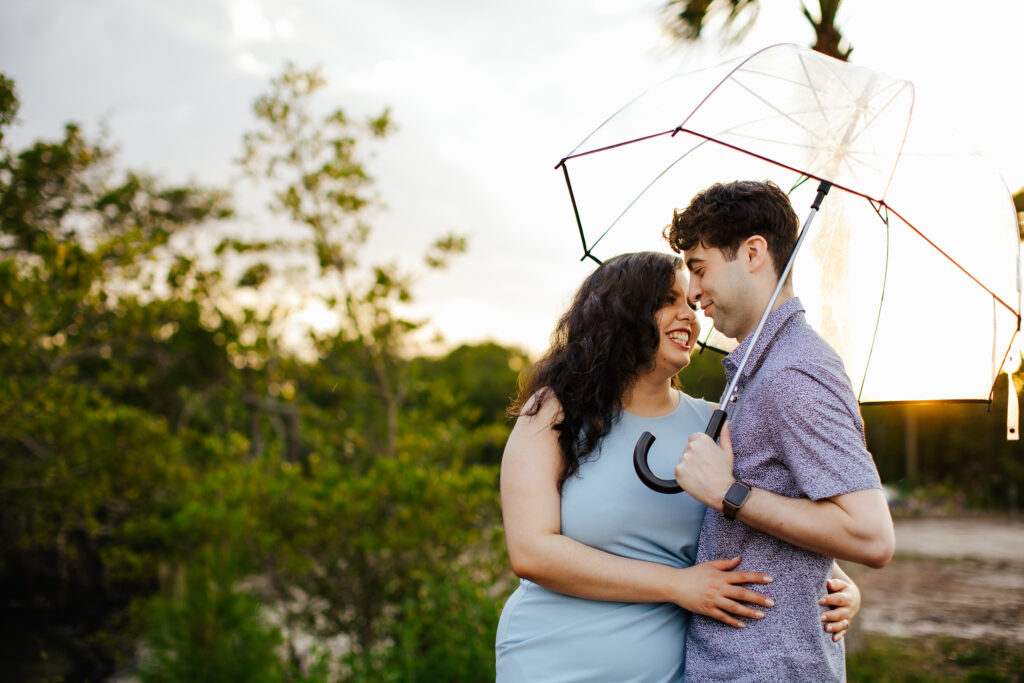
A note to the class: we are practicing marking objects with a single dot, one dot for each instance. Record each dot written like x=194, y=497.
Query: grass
x=887, y=658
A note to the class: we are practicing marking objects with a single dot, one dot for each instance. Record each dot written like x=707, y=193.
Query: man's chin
x=724, y=329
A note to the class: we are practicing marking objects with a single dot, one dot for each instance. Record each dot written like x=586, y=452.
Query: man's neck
x=785, y=294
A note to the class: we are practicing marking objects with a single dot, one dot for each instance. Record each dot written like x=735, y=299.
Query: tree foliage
x=687, y=20
x=150, y=422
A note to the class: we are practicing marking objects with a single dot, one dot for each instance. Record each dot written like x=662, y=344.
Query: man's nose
x=693, y=292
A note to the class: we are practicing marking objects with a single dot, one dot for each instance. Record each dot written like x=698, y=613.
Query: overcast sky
x=487, y=97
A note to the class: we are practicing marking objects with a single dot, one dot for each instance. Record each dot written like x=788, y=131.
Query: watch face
x=736, y=494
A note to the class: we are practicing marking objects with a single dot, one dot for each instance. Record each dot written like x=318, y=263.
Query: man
x=801, y=488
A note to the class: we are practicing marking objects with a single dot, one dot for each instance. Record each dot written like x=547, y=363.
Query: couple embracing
x=735, y=579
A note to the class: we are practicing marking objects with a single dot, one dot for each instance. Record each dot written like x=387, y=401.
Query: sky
x=487, y=97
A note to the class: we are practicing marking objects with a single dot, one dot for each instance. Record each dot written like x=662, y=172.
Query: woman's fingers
x=836, y=615
x=740, y=594
x=748, y=577
x=836, y=599
x=837, y=626
x=724, y=564
x=741, y=610
x=726, y=618
x=838, y=629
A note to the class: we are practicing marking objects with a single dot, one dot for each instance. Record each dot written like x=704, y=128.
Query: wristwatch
x=734, y=499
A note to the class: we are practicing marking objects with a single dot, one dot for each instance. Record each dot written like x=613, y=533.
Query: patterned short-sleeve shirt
x=797, y=431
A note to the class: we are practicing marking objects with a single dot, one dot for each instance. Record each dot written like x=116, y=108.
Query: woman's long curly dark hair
x=598, y=350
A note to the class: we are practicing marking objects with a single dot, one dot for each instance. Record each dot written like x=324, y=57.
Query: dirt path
x=956, y=577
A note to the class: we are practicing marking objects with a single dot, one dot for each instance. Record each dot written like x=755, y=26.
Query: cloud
x=250, y=23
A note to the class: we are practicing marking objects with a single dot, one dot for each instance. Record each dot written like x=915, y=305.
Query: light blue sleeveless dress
x=551, y=637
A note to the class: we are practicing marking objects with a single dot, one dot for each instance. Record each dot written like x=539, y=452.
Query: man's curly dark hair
x=598, y=350
x=725, y=214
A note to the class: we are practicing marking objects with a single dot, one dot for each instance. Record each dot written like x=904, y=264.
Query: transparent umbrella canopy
x=910, y=269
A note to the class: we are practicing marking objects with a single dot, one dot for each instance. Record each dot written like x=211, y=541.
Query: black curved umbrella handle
x=643, y=447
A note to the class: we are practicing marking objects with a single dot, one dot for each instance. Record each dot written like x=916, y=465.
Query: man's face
x=724, y=289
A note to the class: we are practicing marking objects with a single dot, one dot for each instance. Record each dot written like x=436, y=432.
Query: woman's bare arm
x=531, y=508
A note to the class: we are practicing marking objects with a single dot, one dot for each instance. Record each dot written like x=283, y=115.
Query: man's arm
x=853, y=526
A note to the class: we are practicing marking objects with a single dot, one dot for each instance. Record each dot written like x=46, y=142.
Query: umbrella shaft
x=823, y=189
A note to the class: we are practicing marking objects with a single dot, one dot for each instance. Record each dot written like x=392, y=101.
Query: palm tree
x=685, y=19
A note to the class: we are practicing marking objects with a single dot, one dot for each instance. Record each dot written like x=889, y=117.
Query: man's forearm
x=855, y=526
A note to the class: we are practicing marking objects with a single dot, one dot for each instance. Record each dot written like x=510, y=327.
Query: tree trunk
x=910, y=443
x=827, y=36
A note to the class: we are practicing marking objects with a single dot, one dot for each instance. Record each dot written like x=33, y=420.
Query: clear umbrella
x=911, y=268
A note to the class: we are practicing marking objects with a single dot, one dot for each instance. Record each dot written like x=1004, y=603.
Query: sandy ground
x=955, y=577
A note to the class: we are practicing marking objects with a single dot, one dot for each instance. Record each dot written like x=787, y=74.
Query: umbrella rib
x=781, y=113
x=803, y=178
x=644, y=191
x=952, y=260
x=881, y=300
x=1006, y=355
x=877, y=112
x=773, y=162
x=821, y=108
x=885, y=106
x=867, y=123
x=617, y=144
x=576, y=211
x=719, y=84
x=839, y=80
x=850, y=156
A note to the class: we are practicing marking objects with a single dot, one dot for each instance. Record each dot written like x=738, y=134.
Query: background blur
x=268, y=274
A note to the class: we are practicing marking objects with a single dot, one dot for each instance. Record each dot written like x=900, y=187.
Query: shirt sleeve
x=820, y=433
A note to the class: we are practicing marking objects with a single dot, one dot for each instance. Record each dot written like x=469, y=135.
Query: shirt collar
x=775, y=322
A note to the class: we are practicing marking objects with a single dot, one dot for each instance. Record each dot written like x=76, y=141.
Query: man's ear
x=754, y=251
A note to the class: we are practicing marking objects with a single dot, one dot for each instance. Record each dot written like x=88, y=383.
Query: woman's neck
x=650, y=398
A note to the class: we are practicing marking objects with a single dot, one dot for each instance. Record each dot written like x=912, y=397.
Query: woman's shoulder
x=696, y=405
x=542, y=405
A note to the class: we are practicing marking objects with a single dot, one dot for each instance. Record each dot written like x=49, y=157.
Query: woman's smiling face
x=678, y=329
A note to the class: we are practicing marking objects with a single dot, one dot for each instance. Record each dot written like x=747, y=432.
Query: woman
x=607, y=565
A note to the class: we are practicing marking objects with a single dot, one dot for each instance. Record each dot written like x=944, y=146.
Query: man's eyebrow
x=693, y=259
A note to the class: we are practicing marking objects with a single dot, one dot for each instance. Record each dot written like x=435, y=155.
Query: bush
x=210, y=631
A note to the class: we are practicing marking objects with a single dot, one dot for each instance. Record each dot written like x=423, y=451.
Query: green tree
x=147, y=417
x=350, y=527
x=209, y=630
x=323, y=188
x=94, y=365
x=687, y=20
